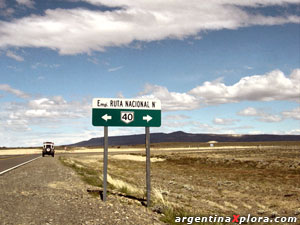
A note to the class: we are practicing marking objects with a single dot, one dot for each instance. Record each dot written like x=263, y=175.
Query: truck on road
x=48, y=148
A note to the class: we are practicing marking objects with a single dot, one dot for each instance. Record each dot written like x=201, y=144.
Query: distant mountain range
x=180, y=136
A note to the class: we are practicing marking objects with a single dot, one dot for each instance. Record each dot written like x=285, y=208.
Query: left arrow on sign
x=148, y=118
x=106, y=117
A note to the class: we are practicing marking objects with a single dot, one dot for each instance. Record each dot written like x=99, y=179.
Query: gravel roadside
x=46, y=192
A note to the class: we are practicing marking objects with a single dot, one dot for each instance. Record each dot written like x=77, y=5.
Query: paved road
x=8, y=162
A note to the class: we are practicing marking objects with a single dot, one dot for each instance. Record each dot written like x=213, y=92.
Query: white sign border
x=123, y=103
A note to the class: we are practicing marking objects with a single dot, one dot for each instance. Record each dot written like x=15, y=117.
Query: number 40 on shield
x=127, y=117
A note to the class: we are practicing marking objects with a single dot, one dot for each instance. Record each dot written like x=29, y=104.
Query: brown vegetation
x=258, y=181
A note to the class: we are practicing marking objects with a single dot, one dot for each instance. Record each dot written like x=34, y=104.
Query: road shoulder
x=46, y=192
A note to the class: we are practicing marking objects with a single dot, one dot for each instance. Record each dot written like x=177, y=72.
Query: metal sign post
x=126, y=112
x=105, y=155
x=148, y=184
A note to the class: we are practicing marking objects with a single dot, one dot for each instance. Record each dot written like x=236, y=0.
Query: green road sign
x=126, y=112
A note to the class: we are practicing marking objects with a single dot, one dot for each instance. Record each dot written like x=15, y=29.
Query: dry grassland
x=261, y=182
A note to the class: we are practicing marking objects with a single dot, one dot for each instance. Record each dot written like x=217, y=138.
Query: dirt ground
x=46, y=192
x=260, y=182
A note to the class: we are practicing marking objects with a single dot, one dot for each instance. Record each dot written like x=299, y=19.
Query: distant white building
x=212, y=143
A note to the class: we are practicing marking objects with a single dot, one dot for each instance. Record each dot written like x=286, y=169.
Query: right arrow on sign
x=106, y=117
x=148, y=118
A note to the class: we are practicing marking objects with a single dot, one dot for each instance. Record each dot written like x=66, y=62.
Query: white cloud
x=15, y=125
x=175, y=124
x=14, y=56
x=2, y=4
x=223, y=121
x=74, y=31
x=14, y=68
x=27, y=3
x=29, y=122
x=59, y=137
x=248, y=67
x=267, y=117
x=288, y=132
x=120, y=95
x=255, y=132
x=293, y=132
x=270, y=118
x=268, y=87
x=6, y=12
x=45, y=111
x=44, y=65
x=193, y=125
x=260, y=114
x=38, y=119
x=206, y=128
x=171, y=101
x=294, y=114
x=40, y=113
x=54, y=108
x=184, y=122
x=18, y=93
x=93, y=60
x=249, y=111
x=115, y=69
x=176, y=117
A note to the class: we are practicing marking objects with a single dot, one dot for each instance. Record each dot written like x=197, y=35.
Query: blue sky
x=225, y=66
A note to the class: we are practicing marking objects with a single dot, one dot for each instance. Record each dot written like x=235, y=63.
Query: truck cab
x=48, y=148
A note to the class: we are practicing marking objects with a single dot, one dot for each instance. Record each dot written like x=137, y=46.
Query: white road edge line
x=5, y=171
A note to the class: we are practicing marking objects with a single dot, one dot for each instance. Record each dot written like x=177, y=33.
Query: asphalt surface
x=7, y=162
